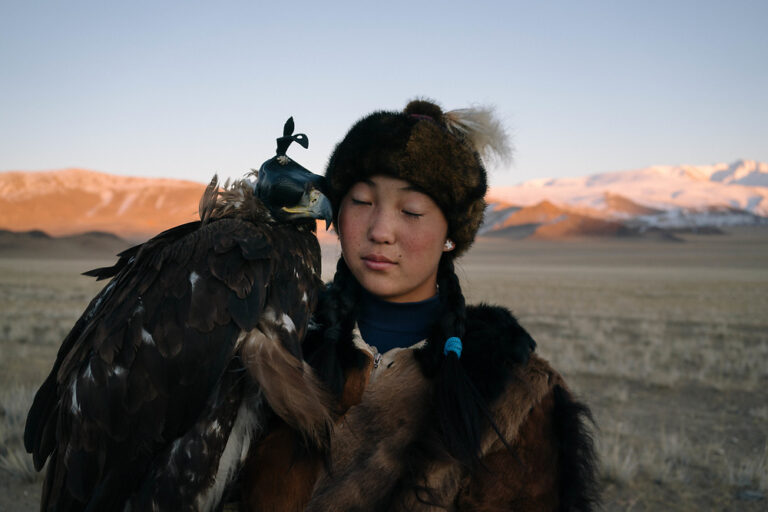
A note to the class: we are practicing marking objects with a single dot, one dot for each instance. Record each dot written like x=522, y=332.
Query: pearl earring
x=449, y=245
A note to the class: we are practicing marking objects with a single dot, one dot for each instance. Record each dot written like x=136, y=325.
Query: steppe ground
x=667, y=342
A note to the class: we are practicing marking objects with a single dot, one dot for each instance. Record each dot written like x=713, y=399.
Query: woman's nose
x=381, y=229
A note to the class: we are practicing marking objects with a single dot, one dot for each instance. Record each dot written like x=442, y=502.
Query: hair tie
x=452, y=344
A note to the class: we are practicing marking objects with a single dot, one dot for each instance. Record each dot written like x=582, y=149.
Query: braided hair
x=458, y=408
x=328, y=346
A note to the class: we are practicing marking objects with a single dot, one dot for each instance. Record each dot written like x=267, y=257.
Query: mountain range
x=658, y=199
x=75, y=201
x=652, y=202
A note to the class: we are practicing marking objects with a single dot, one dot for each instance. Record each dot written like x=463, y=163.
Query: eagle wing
x=152, y=358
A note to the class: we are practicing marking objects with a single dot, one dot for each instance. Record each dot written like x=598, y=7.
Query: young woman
x=443, y=406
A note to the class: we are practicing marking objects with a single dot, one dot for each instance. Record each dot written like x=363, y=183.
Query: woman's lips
x=376, y=262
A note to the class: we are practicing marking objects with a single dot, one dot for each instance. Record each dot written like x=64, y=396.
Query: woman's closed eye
x=360, y=201
x=413, y=214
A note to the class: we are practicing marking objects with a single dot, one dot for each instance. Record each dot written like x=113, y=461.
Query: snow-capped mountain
x=661, y=196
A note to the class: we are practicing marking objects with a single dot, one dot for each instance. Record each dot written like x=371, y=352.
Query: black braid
x=460, y=411
x=329, y=349
x=451, y=320
x=339, y=312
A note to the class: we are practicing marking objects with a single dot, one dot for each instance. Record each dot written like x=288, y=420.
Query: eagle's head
x=290, y=191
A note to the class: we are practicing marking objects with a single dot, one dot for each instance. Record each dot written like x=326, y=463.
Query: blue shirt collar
x=388, y=325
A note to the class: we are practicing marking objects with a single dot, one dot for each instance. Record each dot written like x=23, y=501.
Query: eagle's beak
x=313, y=204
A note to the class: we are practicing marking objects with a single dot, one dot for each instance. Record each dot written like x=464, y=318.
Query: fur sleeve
x=577, y=461
x=550, y=467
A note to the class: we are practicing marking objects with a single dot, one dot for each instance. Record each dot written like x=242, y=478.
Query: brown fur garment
x=369, y=447
x=375, y=443
x=387, y=452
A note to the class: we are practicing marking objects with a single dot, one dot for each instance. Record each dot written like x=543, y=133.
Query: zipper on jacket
x=376, y=360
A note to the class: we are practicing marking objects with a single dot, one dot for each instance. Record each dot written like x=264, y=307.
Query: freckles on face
x=392, y=238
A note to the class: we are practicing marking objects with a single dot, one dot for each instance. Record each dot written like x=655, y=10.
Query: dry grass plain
x=667, y=342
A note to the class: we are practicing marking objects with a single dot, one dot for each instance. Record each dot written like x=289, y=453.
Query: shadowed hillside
x=38, y=244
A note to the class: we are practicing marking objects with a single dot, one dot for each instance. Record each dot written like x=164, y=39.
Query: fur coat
x=386, y=452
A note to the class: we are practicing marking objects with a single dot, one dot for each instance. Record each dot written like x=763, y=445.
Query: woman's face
x=392, y=237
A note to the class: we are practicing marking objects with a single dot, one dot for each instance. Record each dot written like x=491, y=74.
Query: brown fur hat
x=437, y=152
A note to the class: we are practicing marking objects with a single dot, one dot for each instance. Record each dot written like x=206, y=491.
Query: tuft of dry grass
x=670, y=461
x=749, y=472
x=618, y=461
x=17, y=462
x=14, y=404
x=664, y=458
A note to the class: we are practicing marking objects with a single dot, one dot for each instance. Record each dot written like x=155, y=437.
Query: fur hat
x=439, y=153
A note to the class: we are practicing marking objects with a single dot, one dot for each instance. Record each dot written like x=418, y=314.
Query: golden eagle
x=171, y=372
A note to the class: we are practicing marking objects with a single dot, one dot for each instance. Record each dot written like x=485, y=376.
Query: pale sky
x=185, y=89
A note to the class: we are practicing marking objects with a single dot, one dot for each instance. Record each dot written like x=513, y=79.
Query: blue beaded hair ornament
x=453, y=344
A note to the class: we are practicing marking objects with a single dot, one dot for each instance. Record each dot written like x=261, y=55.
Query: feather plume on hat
x=480, y=126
